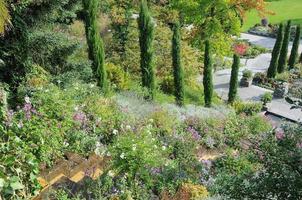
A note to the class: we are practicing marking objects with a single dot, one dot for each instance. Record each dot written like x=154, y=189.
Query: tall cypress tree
x=146, y=37
x=177, y=66
x=282, y=63
x=208, y=76
x=272, y=70
x=95, y=44
x=234, y=79
x=294, y=53
x=300, y=59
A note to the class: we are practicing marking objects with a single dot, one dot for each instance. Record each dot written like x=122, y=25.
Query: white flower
x=155, y=146
x=27, y=99
x=76, y=108
x=134, y=147
x=91, y=85
x=66, y=144
x=151, y=120
x=149, y=132
x=164, y=148
x=111, y=173
x=122, y=156
x=128, y=127
x=47, y=90
x=115, y=132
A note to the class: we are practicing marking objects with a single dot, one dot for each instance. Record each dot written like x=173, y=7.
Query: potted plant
x=246, y=78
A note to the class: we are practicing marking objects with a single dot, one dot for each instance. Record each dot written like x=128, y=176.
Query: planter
x=245, y=82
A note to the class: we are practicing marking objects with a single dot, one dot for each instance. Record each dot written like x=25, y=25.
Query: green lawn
x=283, y=9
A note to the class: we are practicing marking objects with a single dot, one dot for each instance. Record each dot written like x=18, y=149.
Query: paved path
x=259, y=64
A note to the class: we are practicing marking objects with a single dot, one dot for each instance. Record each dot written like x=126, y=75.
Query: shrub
x=294, y=52
x=283, y=77
x=208, y=76
x=267, y=98
x=282, y=62
x=248, y=108
x=146, y=37
x=118, y=78
x=272, y=70
x=177, y=66
x=247, y=74
x=234, y=79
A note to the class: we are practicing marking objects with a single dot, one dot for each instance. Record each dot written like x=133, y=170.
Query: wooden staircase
x=73, y=169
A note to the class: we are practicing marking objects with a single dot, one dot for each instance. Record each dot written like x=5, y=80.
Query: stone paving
x=277, y=107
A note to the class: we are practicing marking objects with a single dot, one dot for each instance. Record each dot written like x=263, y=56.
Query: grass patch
x=283, y=9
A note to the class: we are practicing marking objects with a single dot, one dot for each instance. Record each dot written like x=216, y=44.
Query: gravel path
x=259, y=64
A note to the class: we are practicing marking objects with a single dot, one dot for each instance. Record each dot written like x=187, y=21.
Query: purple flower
x=299, y=145
x=207, y=163
x=279, y=134
x=79, y=116
x=155, y=171
x=194, y=133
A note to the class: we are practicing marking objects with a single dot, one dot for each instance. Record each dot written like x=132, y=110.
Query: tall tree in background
x=282, y=63
x=177, y=66
x=234, y=79
x=208, y=75
x=294, y=52
x=300, y=59
x=95, y=43
x=146, y=37
x=272, y=70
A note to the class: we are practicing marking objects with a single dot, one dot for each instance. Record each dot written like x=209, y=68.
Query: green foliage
x=134, y=154
x=266, y=98
x=177, y=66
x=95, y=43
x=119, y=80
x=234, y=79
x=248, y=108
x=208, y=76
x=282, y=62
x=272, y=70
x=294, y=52
x=5, y=17
x=268, y=171
x=247, y=74
x=146, y=37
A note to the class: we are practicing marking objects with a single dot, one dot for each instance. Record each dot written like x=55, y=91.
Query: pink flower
x=299, y=145
x=240, y=49
x=279, y=134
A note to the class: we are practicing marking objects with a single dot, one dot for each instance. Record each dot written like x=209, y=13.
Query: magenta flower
x=194, y=133
x=80, y=117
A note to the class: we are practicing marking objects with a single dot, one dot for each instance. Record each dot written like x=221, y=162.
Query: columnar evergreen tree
x=208, y=76
x=234, y=79
x=95, y=43
x=272, y=70
x=300, y=59
x=146, y=37
x=177, y=66
x=282, y=63
x=294, y=53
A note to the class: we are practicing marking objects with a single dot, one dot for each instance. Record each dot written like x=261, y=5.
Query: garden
x=117, y=100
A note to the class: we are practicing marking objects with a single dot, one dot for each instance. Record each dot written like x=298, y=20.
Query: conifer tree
x=95, y=44
x=300, y=59
x=294, y=52
x=146, y=37
x=177, y=66
x=208, y=76
x=234, y=79
x=272, y=70
x=282, y=63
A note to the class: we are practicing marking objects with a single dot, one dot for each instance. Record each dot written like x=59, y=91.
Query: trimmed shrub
x=282, y=63
x=208, y=76
x=294, y=53
x=272, y=70
x=177, y=67
x=248, y=108
x=234, y=79
x=96, y=51
x=146, y=37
